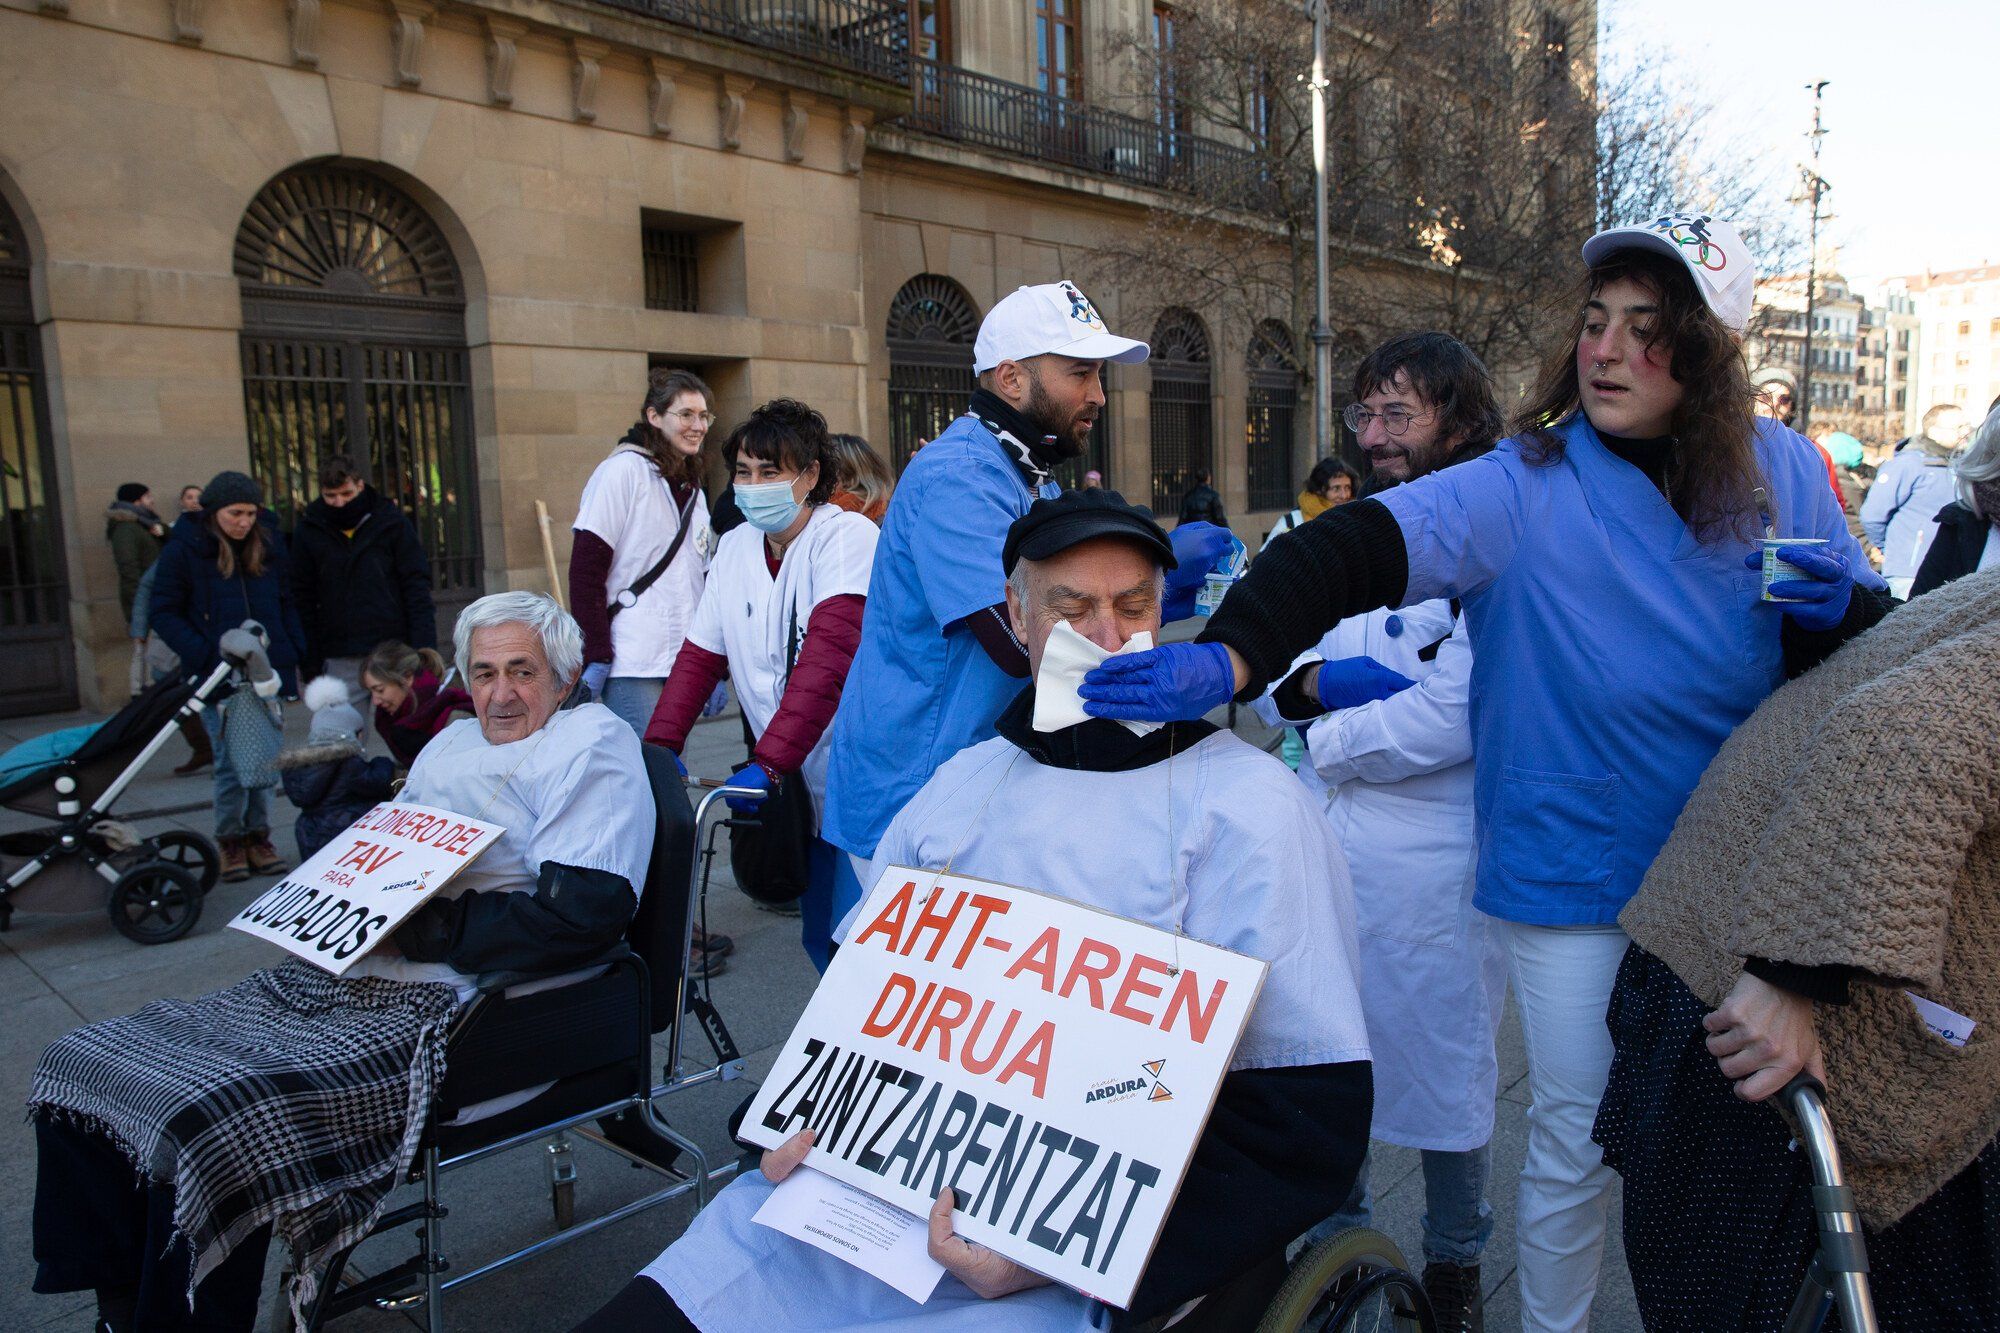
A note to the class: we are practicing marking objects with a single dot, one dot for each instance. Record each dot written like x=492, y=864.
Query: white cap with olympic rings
x=1714, y=253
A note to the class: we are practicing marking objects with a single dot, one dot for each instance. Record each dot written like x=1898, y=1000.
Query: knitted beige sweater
x=1855, y=818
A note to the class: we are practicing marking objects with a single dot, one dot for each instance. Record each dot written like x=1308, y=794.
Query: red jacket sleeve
x=589, y=575
x=813, y=693
x=696, y=670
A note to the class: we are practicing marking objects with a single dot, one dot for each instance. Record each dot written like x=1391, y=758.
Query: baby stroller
x=156, y=884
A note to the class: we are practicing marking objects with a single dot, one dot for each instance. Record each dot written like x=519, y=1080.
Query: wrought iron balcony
x=974, y=108
x=868, y=37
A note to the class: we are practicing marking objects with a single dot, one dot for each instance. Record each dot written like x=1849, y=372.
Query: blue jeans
x=816, y=919
x=634, y=698
x=239, y=810
x=1457, y=1219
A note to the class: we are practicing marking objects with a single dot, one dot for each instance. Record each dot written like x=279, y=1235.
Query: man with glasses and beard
x=938, y=659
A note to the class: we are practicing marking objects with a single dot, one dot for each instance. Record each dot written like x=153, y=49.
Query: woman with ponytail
x=412, y=702
x=641, y=548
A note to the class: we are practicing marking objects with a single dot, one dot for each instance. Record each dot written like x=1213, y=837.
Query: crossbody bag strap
x=638, y=589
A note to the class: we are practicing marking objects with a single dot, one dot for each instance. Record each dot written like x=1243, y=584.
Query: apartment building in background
x=451, y=237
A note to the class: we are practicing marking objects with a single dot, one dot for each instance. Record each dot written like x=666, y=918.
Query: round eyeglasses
x=1395, y=420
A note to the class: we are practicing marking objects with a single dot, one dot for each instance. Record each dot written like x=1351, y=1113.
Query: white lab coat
x=1396, y=780
x=630, y=507
x=751, y=618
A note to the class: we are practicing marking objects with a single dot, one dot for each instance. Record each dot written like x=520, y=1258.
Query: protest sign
x=354, y=891
x=1053, y=1065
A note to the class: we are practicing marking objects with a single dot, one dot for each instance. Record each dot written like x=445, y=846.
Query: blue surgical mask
x=768, y=506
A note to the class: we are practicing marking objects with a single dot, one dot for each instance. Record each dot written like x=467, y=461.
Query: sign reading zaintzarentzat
x=346, y=899
x=1051, y=1064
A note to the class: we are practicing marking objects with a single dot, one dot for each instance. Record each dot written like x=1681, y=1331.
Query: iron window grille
x=672, y=271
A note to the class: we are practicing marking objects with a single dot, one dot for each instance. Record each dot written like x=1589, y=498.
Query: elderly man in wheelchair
x=174, y=1141
x=1185, y=827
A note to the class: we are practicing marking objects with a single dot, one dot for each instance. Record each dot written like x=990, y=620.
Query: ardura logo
x=1124, y=1089
x=1080, y=308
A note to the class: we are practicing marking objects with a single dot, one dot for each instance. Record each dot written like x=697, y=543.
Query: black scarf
x=1650, y=456
x=1034, y=453
x=1099, y=745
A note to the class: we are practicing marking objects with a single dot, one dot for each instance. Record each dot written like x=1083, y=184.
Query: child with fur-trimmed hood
x=327, y=778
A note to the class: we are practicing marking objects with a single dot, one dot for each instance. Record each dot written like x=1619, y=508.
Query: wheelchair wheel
x=1353, y=1282
x=155, y=903
x=189, y=851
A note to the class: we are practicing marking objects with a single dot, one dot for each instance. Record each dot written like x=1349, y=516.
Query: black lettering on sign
x=950, y=1134
x=1040, y=1234
x=870, y=1160
x=1143, y=1176
x=976, y=1154
x=912, y=1139
x=775, y=1118
x=1053, y=1141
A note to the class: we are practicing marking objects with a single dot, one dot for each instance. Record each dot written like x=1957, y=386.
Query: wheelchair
x=591, y=1042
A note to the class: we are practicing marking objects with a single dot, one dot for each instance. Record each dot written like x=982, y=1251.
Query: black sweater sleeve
x=1346, y=561
x=573, y=917
x=1806, y=648
x=1279, y=1154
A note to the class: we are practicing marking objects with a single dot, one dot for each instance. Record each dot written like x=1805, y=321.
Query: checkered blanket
x=294, y=1097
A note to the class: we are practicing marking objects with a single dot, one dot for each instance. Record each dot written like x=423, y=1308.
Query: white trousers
x=1562, y=985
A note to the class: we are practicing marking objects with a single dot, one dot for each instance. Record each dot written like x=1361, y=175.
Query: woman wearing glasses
x=1606, y=559
x=642, y=547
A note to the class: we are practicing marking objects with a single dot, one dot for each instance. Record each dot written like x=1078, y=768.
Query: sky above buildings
x=1913, y=144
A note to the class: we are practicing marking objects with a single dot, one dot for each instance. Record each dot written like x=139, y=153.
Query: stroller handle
x=1843, y=1255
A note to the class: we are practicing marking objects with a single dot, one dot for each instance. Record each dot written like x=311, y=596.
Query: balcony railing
x=868, y=37
x=977, y=108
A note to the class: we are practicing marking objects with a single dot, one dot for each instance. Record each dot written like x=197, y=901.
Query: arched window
x=932, y=324
x=354, y=342
x=1272, y=408
x=1183, y=418
x=37, y=671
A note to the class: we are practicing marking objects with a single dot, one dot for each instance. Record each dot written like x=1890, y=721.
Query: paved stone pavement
x=57, y=972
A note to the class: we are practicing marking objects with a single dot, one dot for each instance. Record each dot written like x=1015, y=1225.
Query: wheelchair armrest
x=500, y=1045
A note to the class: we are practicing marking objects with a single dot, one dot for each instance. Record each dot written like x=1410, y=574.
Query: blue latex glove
x=1200, y=549
x=1351, y=681
x=594, y=677
x=718, y=699
x=750, y=775
x=1821, y=601
x=1174, y=682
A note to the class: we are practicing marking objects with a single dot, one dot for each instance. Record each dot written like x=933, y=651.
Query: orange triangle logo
x=1159, y=1094
x=1154, y=1067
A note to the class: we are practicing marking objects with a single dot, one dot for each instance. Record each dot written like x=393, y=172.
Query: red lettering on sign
x=1199, y=1017
x=875, y=1025
x=986, y=908
x=1039, y=958
x=952, y=1008
x=1132, y=985
x=981, y=1064
x=938, y=923
x=890, y=921
x=1033, y=1058
x=1096, y=973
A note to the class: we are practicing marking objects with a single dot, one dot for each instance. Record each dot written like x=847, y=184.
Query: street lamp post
x=1322, y=331
x=1816, y=185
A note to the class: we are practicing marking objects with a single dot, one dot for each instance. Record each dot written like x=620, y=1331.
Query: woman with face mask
x=642, y=544
x=781, y=617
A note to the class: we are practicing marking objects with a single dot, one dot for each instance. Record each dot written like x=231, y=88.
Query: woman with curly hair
x=1606, y=559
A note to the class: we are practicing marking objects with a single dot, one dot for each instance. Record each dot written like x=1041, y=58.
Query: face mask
x=767, y=506
x=1066, y=659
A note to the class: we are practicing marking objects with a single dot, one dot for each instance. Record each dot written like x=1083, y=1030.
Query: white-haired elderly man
x=284, y=1102
x=1183, y=827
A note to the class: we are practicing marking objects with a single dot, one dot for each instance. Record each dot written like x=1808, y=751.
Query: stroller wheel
x=154, y=903
x=185, y=850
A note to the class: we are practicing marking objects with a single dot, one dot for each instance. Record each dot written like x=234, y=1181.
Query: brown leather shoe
x=263, y=857
x=235, y=864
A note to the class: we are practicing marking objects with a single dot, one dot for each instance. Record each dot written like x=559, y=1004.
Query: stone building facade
x=452, y=237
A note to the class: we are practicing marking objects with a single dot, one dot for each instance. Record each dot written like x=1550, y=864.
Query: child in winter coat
x=327, y=778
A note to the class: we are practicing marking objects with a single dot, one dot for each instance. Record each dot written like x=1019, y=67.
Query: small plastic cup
x=1781, y=571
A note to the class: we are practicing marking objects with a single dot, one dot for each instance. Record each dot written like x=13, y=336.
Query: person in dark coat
x=359, y=574
x=221, y=566
x=136, y=535
x=1202, y=503
x=328, y=778
x=1968, y=529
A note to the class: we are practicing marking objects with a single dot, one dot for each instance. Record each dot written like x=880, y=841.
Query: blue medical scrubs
x=1616, y=653
x=917, y=695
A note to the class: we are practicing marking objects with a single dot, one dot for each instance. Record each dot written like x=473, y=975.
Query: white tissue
x=1066, y=659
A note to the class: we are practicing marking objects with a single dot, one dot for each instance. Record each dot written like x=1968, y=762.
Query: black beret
x=1056, y=525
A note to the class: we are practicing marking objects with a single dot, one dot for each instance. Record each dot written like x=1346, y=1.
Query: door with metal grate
x=37, y=660
x=1181, y=407
x=354, y=342
x=1270, y=420
x=932, y=324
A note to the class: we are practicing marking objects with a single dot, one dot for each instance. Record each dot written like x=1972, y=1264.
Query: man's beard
x=1048, y=419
